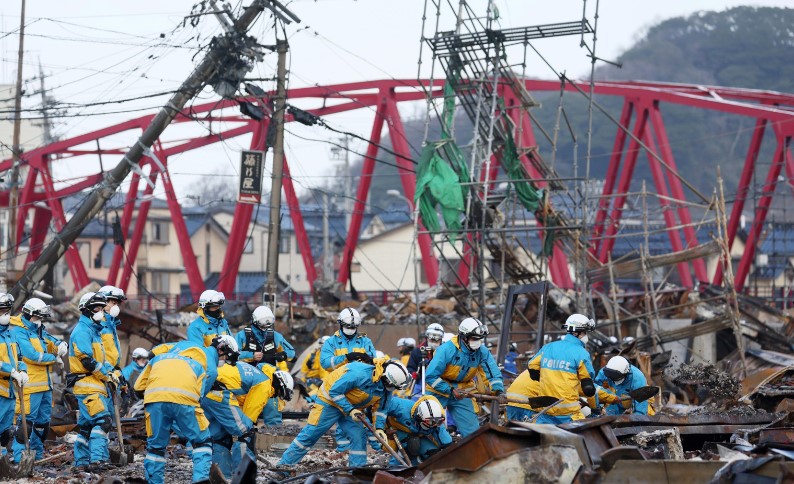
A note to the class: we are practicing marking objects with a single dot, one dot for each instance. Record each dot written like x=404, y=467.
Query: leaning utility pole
x=274, y=225
x=13, y=197
x=233, y=46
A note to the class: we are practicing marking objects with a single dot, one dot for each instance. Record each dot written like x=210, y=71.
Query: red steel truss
x=641, y=116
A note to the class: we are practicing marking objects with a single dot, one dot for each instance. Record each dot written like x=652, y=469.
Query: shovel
x=400, y=447
x=383, y=443
x=534, y=402
x=25, y=466
x=643, y=393
x=122, y=457
x=537, y=415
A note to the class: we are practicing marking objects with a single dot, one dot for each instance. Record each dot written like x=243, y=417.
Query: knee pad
x=203, y=443
x=19, y=435
x=85, y=431
x=106, y=424
x=5, y=437
x=42, y=430
x=224, y=442
x=413, y=446
x=159, y=452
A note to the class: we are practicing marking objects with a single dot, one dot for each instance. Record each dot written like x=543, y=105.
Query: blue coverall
x=39, y=351
x=9, y=361
x=454, y=367
x=354, y=386
x=398, y=415
x=271, y=343
x=563, y=365
x=227, y=418
x=204, y=328
x=634, y=380
x=87, y=362
x=173, y=386
x=332, y=356
x=131, y=368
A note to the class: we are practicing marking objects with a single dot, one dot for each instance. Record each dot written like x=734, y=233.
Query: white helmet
x=35, y=307
x=408, y=342
x=89, y=302
x=349, y=320
x=617, y=369
x=471, y=327
x=428, y=412
x=263, y=318
x=579, y=322
x=380, y=354
x=225, y=344
x=401, y=342
x=284, y=384
x=211, y=298
x=140, y=353
x=434, y=331
x=6, y=301
x=395, y=375
x=112, y=293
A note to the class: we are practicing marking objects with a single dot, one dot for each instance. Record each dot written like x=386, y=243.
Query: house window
x=159, y=232
x=249, y=246
x=160, y=282
x=107, y=254
x=284, y=244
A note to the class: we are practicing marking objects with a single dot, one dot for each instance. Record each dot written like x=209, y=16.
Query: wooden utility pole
x=274, y=225
x=220, y=53
x=13, y=197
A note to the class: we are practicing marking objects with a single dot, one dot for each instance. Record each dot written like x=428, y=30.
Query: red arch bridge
x=641, y=115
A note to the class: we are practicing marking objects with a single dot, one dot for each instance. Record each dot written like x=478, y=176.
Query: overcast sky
x=98, y=50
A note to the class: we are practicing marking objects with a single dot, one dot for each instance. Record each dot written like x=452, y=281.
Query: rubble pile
x=712, y=384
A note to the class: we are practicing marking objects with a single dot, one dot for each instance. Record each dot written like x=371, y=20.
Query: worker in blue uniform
x=565, y=370
x=13, y=372
x=618, y=378
x=40, y=351
x=344, y=346
x=91, y=376
x=343, y=398
x=140, y=358
x=453, y=369
x=261, y=343
x=419, y=426
x=233, y=406
x=173, y=386
x=210, y=321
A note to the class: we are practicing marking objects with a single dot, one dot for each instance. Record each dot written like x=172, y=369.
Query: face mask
x=98, y=316
x=618, y=382
x=221, y=363
x=5, y=319
x=475, y=344
x=433, y=344
x=214, y=314
x=584, y=339
x=114, y=311
x=349, y=331
x=36, y=323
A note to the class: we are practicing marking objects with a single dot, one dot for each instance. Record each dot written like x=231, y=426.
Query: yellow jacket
x=9, y=361
x=311, y=366
x=173, y=378
x=523, y=387
x=87, y=358
x=39, y=351
x=563, y=365
x=250, y=388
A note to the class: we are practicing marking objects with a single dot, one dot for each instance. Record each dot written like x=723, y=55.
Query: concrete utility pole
x=274, y=225
x=344, y=154
x=13, y=197
x=211, y=64
x=328, y=269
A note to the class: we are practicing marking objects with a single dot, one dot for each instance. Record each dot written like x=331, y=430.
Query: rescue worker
x=313, y=371
x=523, y=387
x=90, y=375
x=418, y=425
x=347, y=344
x=172, y=386
x=39, y=351
x=618, y=378
x=140, y=358
x=452, y=371
x=510, y=360
x=210, y=322
x=564, y=370
x=261, y=343
x=342, y=347
x=233, y=407
x=110, y=337
x=12, y=372
x=417, y=362
x=405, y=346
x=344, y=396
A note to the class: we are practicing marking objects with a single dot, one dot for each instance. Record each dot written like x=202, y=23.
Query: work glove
x=381, y=434
x=586, y=411
x=218, y=386
x=356, y=356
x=60, y=363
x=356, y=414
x=63, y=348
x=280, y=356
x=20, y=377
x=113, y=378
